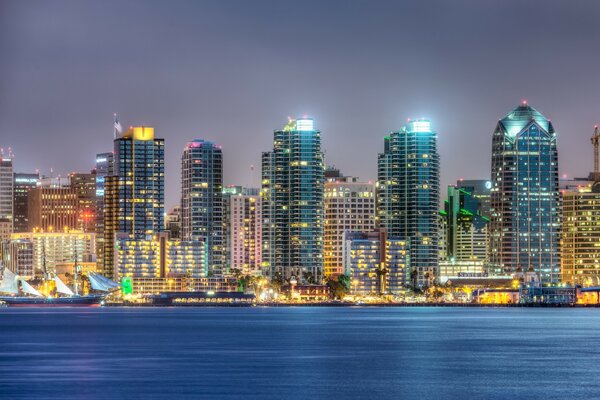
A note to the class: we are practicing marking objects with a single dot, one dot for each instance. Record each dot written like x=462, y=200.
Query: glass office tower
x=525, y=214
x=202, y=199
x=408, y=193
x=292, y=193
x=134, y=197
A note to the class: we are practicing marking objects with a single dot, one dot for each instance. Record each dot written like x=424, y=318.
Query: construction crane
x=596, y=142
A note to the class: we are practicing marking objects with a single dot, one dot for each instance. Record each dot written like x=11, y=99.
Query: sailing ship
x=22, y=294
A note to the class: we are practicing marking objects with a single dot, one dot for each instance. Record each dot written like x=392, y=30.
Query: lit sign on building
x=303, y=125
x=421, y=126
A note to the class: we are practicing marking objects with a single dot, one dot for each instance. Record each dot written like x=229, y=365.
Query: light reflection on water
x=298, y=353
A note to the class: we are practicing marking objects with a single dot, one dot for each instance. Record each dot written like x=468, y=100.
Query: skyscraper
x=52, y=208
x=134, y=196
x=202, y=199
x=6, y=187
x=408, y=191
x=525, y=217
x=23, y=184
x=104, y=168
x=349, y=207
x=292, y=193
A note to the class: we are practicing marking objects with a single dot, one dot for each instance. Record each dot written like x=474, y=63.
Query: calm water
x=300, y=353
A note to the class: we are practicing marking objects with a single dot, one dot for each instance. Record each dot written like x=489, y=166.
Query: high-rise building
x=292, y=203
x=376, y=263
x=104, y=168
x=23, y=184
x=134, y=195
x=525, y=204
x=52, y=208
x=85, y=188
x=580, y=254
x=466, y=233
x=243, y=229
x=408, y=191
x=6, y=187
x=202, y=199
x=349, y=207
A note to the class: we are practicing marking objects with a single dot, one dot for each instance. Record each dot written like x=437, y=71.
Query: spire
x=118, y=129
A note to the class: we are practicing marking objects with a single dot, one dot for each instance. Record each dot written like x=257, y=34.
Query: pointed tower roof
x=516, y=120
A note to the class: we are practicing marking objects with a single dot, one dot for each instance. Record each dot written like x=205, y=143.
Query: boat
x=14, y=285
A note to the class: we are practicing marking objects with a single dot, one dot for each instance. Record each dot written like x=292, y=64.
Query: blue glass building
x=202, y=199
x=408, y=192
x=292, y=203
x=525, y=214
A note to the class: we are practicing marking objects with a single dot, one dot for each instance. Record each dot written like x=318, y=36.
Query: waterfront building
x=243, y=229
x=202, y=199
x=52, y=208
x=376, y=264
x=6, y=187
x=159, y=258
x=85, y=189
x=466, y=233
x=349, y=207
x=17, y=256
x=134, y=195
x=51, y=248
x=580, y=253
x=525, y=204
x=23, y=183
x=408, y=195
x=104, y=168
x=292, y=203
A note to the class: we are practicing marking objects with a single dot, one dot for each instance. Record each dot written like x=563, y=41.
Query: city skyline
x=226, y=89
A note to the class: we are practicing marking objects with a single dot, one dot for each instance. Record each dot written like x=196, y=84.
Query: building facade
x=408, y=192
x=6, y=187
x=525, y=203
x=159, y=258
x=292, y=203
x=349, y=207
x=134, y=196
x=466, y=228
x=243, y=229
x=376, y=263
x=52, y=208
x=23, y=184
x=580, y=254
x=85, y=188
x=52, y=248
x=202, y=199
x=17, y=256
x=104, y=168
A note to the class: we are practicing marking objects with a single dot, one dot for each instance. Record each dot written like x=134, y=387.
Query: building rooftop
x=516, y=120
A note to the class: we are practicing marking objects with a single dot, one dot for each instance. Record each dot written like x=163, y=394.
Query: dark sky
x=232, y=71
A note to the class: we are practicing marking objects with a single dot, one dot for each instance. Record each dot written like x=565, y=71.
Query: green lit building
x=292, y=203
x=408, y=191
x=466, y=228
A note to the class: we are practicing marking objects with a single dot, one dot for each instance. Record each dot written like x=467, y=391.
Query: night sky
x=233, y=71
